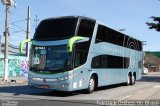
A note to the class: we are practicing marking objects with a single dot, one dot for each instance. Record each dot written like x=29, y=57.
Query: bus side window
x=77, y=59
x=80, y=58
x=86, y=28
x=100, y=34
x=96, y=62
x=104, y=61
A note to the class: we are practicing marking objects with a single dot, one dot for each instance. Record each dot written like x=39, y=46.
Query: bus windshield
x=56, y=29
x=50, y=58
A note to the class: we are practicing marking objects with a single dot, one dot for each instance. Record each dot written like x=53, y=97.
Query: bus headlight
x=65, y=77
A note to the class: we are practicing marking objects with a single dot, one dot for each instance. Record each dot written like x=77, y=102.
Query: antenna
x=36, y=20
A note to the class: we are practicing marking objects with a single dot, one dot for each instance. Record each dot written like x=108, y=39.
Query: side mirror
x=75, y=39
x=22, y=44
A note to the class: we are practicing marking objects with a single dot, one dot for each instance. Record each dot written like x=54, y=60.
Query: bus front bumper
x=60, y=86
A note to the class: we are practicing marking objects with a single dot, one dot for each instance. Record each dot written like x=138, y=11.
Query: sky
x=130, y=15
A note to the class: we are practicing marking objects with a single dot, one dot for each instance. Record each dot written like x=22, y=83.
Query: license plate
x=43, y=86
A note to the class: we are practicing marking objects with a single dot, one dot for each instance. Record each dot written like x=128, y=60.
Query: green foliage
x=154, y=53
x=155, y=25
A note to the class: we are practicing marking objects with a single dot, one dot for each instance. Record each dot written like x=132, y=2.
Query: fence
x=18, y=66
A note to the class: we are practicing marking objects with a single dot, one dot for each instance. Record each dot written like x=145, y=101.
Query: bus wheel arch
x=96, y=79
x=93, y=83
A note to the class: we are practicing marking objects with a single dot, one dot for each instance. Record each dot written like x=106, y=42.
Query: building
x=152, y=61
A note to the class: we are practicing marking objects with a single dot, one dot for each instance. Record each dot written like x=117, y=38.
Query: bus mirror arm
x=22, y=44
x=74, y=40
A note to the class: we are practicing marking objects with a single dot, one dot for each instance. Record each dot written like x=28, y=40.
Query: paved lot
x=148, y=88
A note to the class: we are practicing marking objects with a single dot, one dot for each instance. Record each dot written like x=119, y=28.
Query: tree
x=155, y=25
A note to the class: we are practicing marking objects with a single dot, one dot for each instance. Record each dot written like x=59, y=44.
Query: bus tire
x=133, y=80
x=128, y=80
x=91, y=85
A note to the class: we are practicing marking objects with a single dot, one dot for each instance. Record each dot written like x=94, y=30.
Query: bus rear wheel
x=91, y=85
x=129, y=80
x=133, y=80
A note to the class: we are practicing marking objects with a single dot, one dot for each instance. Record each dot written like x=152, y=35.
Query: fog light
x=65, y=85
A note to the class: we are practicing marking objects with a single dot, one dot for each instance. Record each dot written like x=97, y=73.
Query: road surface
x=146, y=89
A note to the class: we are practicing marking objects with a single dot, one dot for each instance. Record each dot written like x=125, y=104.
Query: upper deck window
x=86, y=28
x=56, y=29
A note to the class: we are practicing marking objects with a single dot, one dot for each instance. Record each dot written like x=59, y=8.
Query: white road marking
x=126, y=97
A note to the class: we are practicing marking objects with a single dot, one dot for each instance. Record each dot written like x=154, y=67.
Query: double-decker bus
x=75, y=52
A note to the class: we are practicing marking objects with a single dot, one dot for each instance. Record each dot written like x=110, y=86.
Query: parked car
x=145, y=71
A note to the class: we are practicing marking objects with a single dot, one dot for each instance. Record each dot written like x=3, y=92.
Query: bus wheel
x=133, y=80
x=91, y=86
x=128, y=80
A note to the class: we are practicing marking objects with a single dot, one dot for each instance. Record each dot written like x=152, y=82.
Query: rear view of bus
x=74, y=53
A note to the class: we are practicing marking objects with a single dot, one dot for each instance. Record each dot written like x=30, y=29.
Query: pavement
x=154, y=73
x=146, y=90
x=14, y=80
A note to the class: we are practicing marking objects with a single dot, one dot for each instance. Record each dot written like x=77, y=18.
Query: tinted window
x=81, y=49
x=140, y=45
x=132, y=43
x=120, y=39
x=108, y=61
x=80, y=57
x=50, y=59
x=105, y=34
x=56, y=29
x=102, y=33
x=86, y=28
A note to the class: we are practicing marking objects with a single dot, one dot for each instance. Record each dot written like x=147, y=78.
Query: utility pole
x=28, y=32
x=8, y=3
x=36, y=20
x=6, y=44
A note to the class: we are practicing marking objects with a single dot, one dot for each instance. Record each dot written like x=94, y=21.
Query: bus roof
x=79, y=17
